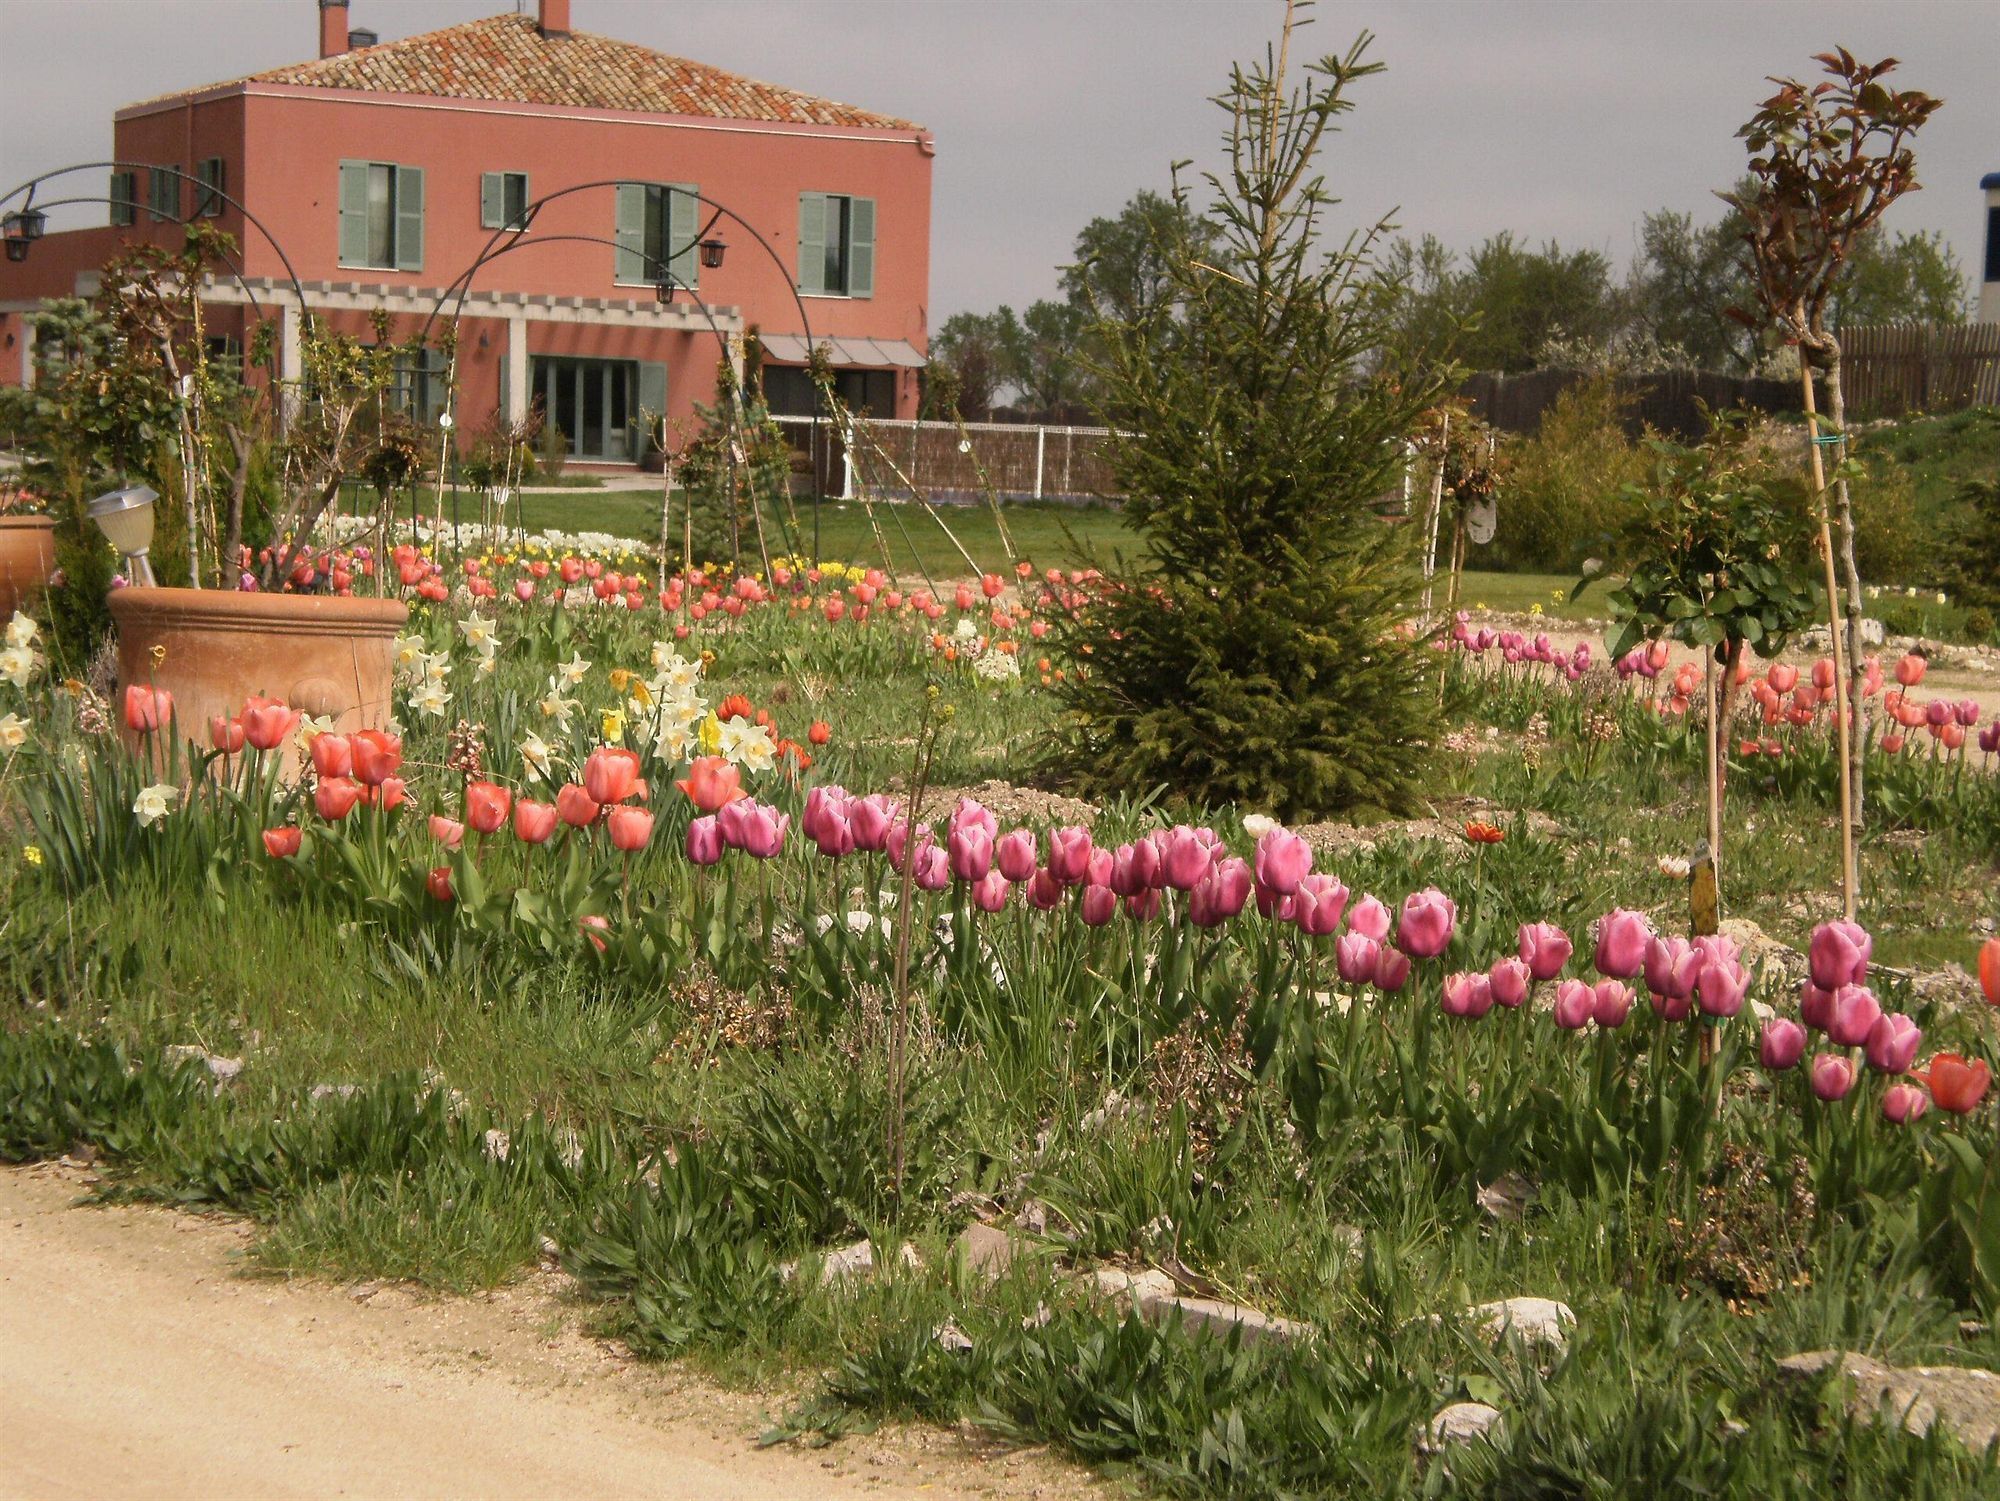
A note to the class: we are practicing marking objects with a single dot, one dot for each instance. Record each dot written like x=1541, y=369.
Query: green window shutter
x=354, y=213
x=629, y=263
x=213, y=174
x=500, y=406
x=492, y=200
x=812, y=242
x=861, y=247
x=683, y=223
x=649, y=420
x=409, y=218
x=124, y=196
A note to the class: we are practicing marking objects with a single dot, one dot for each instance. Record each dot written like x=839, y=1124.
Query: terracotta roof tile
x=507, y=58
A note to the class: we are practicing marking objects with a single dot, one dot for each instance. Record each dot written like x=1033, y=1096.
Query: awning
x=847, y=351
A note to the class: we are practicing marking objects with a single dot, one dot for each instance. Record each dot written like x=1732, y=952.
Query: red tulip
x=534, y=822
x=332, y=755
x=1958, y=1084
x=486, y=807
x=376, y=755
x=1989, y=970
x=335, y=797
x=438, y=883
x=574, y=806
x=282, y=844
x=712, y=783
x=629, y=828
x=147, y=709
x=390, y=795
x=226, y=734
x=448, y=832
x=267, y=722
x=611, y=774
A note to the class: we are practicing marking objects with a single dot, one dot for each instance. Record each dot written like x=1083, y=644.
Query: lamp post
x=126, y=519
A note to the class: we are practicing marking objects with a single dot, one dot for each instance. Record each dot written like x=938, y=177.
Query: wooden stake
x=1842, y=718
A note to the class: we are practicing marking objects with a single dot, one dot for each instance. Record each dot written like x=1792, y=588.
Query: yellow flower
x=709, y=735
x=613, y=725
x=620, y=676
x=32, y=854
x=1535, y=608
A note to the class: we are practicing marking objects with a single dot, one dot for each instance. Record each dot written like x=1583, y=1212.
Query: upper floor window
x=210, y=185
x=836, y=245
x=382, y=216
x=657, y=225
x=503, y=200
x=124, y=196
x=163, y=192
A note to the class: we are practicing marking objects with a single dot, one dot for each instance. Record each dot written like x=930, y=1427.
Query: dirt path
x=135, y=1362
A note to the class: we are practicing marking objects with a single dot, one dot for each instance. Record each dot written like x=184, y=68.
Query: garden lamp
x=126, y=518
x=664, y=289
x=21, y=229
x=711, y=252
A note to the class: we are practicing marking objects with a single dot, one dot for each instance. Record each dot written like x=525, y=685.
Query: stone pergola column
x=517, y=367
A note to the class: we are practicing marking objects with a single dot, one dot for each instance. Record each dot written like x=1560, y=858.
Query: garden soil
x=137, y=1360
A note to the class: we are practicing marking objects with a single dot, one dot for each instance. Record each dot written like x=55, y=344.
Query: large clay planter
x=213, y=648
x=27, y=558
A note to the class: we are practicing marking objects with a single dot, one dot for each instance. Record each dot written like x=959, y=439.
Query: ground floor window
x=594, y=403
x=789, y=390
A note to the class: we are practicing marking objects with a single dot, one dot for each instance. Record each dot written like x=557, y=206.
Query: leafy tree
x=1121, y=269
x=1913, y=278
x=1683, y=280
x=1255, y=649
x=970, y=349
x=1044, y=353
x=1504, y=304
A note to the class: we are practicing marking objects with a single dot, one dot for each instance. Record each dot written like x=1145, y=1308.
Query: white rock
x=496, y=1144
x=1460, y=1423
x=1536, y=1320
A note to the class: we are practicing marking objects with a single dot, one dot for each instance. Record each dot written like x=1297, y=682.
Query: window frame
x=844, y=247
x=507, y=220
x=211, y=176
x=406, y=182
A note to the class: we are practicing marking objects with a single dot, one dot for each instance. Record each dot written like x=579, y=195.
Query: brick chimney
x=555, y=17
x=332, y=27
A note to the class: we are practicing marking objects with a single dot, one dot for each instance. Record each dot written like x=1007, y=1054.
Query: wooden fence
x=1890, y=369
x=1669, y=401
x=1019, y=462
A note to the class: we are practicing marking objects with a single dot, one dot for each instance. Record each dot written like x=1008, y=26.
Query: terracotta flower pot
x=27, y=558
x=213, y=648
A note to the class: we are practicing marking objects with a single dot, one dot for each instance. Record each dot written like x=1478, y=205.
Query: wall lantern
x=711, y=252
x=21, y=229
x=126, y=518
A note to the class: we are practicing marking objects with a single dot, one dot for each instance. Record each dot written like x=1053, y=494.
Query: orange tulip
x=227, y=734
x=485, y=805
x=712, y=783
x=1958, y=1084
x=629, y=828
x=282, y=844
x=820, y=732
x=736, y=706
x=438, y=883
x=533, y=822
x=335, y=797
x=376, y=755
x=575, y=807
x=332, y=756
x=267, y=722
x=1989, y=970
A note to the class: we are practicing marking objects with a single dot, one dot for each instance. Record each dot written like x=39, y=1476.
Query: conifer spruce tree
x=1257, y=648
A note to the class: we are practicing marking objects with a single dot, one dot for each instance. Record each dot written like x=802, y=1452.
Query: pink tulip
x=1143, y=904
x=266, y=724
x=1069, y=855
x=972, y=814
x=1838, y=954
x=989, y=890
x=1903, y=1103
x=1832, y=1076
x=1283, y=859
x=1424, y=930
x=1392, y=969
x=1221, y=894
x=1815, y=1006
x=1672, y=967
x=761, y=829
x=1782, y=1044
x=933, y=869
x=1853, y=1015
x=1370, y=918
x=574, y=806
x=1016, y=855
x=1135, y=868
x=970, y=846
x=1575, y=1001
x=1622, y=938
x=870, y=819
x=1184, y=858
x=1045, y=893
x=704, y=840
x=1544, y=948
x=1356, y=956
x=1275, y=905
x=1510, y=979
x=1611, y=1003
x=147, y=709
x=1466, y=994
x=1720, y=988
x=1097, y=904
x=1318, y=903
x=448, y=832
x=629, y=828
x=1892, y=1043
x=1671, y=1008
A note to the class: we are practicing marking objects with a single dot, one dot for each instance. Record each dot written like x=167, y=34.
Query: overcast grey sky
x=1563, y=118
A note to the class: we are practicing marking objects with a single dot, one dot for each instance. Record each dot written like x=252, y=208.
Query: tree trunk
x=1857, y=676
x=1849, y=873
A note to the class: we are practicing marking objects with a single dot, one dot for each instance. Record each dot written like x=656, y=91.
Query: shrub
x=1254, y=651
x=1563, y=499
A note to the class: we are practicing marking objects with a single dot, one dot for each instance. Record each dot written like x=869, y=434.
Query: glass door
x=590, y=401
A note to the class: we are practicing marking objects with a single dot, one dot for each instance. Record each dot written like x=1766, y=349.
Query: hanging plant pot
x=27, y=560
x=213, y=648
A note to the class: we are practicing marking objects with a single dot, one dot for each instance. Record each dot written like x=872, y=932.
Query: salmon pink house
x=386, y=171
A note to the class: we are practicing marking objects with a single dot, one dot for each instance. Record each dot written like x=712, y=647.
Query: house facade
x=383, y=176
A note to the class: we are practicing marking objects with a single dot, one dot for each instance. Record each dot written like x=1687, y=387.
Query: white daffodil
x=13, y=732
x=434, y=667
x=431, y=697
x=748, y=744
x=311, y=727
x=483, y=668
x=409, y=651
x=556, y=706
x=537, y=757
x=19, y=664
x=672, y=669
x=21, y=631
x=1257, y=825
x=574, y=671
x=154, y=803
x=965, y=630
x=479, y=632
